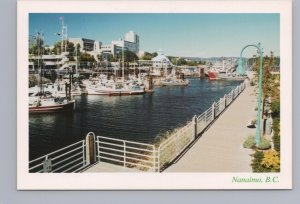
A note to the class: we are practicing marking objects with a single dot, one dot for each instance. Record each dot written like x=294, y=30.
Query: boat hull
x=212, y=75
x=55, y=108
x=114, y=92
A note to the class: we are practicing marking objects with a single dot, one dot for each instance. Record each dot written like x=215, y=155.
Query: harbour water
x=139, y=118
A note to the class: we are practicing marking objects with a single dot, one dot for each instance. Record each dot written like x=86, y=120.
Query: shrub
x=249, y=142
x=264, y=144
x=257, y=167
x=275, y=107
x=271, y=160
x=276, y=136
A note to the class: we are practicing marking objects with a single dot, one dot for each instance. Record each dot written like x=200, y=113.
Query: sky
x=181, y=34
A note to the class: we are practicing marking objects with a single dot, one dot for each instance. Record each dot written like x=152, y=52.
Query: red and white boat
x=45, y=103
x=224, y=71
x=212, y=75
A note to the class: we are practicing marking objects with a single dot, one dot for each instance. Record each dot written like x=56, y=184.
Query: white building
x=51, y=62
x=161, y=64
x=131, y=42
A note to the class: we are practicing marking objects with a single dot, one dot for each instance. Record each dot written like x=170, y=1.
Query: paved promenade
x=220, y=148
x=106, y=167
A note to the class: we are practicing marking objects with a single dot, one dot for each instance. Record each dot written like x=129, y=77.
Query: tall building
x=132, y=37
x=131, y=42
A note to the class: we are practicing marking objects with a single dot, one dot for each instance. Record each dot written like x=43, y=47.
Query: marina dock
x=220, y=148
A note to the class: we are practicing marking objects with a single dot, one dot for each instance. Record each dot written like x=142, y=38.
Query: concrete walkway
x=107, y=167
x=220, y=148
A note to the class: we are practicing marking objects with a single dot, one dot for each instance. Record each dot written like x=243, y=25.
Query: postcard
x=158, y=95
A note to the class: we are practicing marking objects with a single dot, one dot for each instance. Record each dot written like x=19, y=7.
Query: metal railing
x=126, y=153
x=170, y=148
x=65, y=160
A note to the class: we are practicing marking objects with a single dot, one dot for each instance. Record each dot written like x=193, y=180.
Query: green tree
x=181, y=61
x=85, y=57
x=192, y=63
x=128, y=56
x=36, y=46
x=268, y=80
x=149, y=56
x=69, y=48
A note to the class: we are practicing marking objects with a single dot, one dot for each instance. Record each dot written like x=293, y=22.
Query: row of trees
x=269, y=161
x=182, y=61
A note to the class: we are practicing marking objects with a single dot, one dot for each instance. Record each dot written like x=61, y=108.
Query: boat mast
x=39, y=42
x=123, y=64
x=76, y=66
x=64, y=35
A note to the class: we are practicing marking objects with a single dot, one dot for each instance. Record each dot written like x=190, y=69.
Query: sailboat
x=103, y=86
x=43, y=101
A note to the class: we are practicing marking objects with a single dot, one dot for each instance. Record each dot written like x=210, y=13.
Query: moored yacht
x=45, y=102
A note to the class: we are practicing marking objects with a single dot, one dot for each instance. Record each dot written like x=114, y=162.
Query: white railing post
x=158, y=159
x=194, y=127
x=213, y=111
x=84, y=160
x=124, y=143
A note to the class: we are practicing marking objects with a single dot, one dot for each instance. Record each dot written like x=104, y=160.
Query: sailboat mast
x=123, y=64
x=62, y=34
x=76, y=67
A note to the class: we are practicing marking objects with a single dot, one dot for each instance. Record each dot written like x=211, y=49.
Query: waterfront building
x=131, y=42
x=51, y=62
x=112, y=49
x=85, y=44
x=161, y=64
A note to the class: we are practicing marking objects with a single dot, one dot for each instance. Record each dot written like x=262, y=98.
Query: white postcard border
x=140, y=181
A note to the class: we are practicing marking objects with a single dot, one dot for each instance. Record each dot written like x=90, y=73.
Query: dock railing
x=65, y=160
x=126, y=153
x=70, y=159
x=130, y=154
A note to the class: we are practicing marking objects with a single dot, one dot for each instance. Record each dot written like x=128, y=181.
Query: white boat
x=44, y=103
x=110, y=87
x=230, y=76
x=101, y=85
x=174, y=81
x=58, y=89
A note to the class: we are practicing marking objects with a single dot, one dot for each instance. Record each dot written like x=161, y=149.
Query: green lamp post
x=241, y=71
